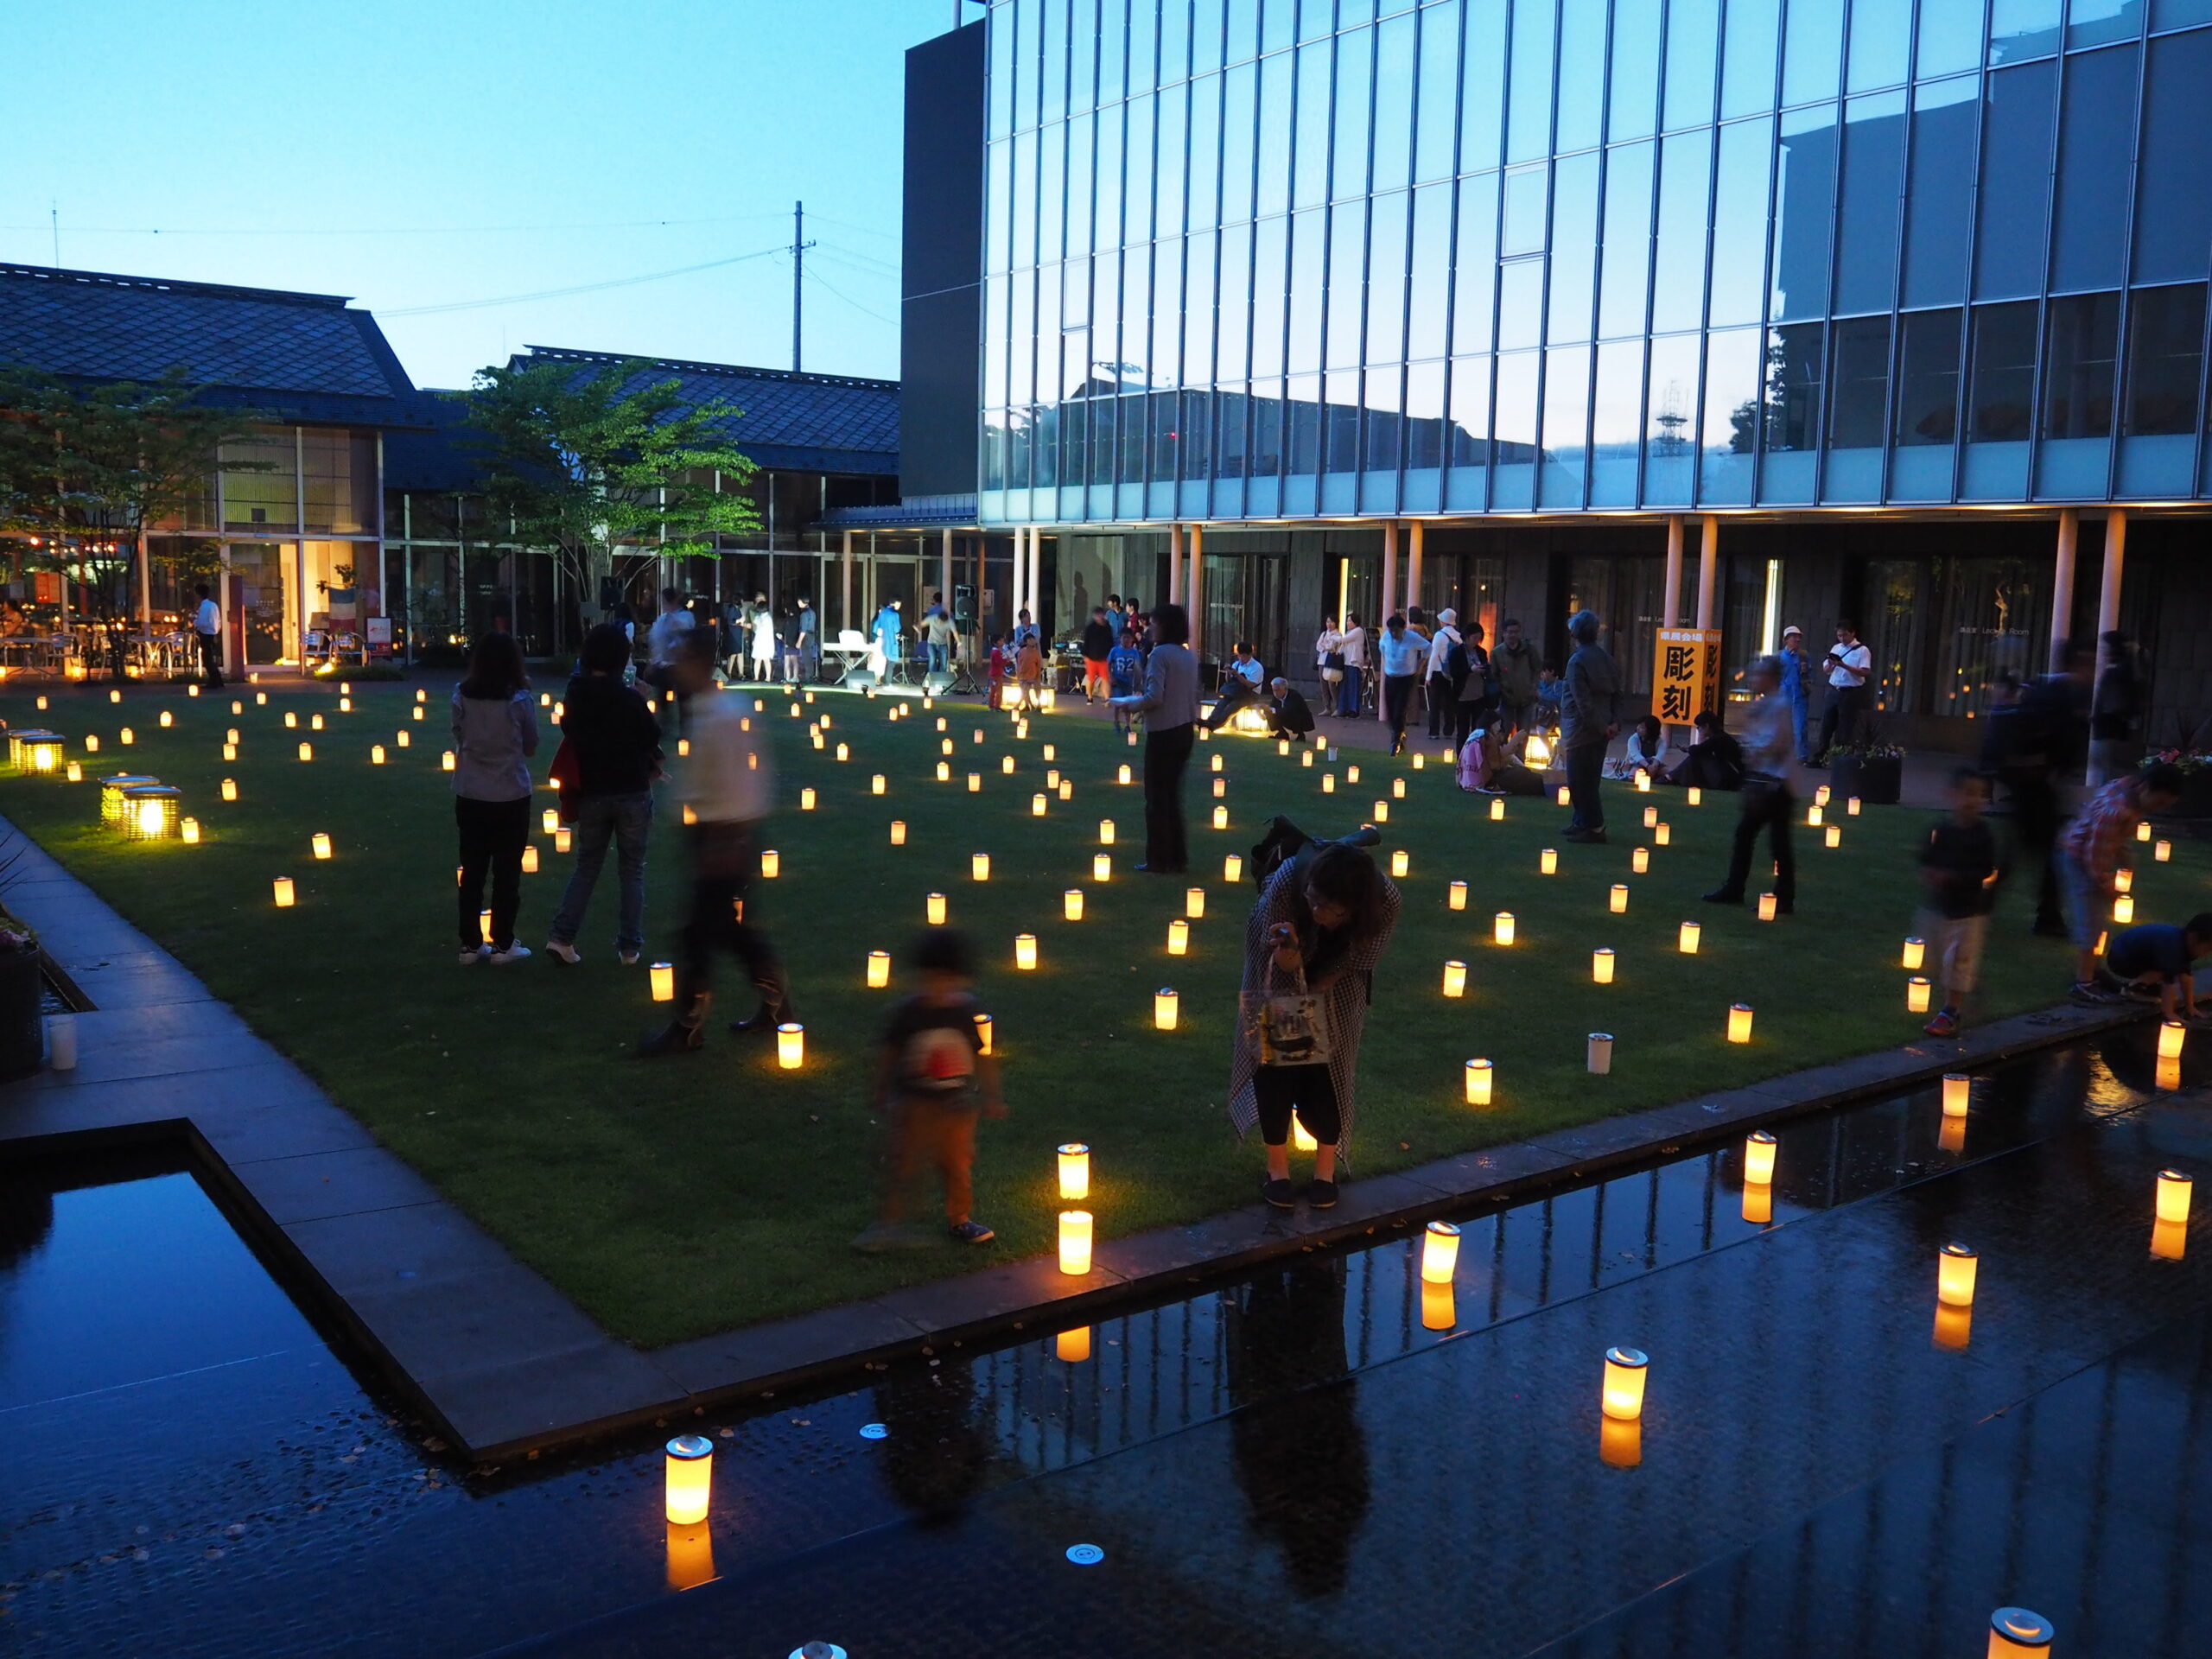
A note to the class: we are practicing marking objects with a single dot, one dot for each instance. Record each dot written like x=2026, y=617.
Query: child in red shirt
x=1001, y=660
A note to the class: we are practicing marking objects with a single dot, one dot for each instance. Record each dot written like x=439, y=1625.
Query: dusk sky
x=419, y=155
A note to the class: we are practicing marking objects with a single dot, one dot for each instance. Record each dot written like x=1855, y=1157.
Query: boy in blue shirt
x=1125, y=668
x=2160, y=959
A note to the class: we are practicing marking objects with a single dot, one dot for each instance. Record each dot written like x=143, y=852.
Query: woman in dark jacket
x=616, y=742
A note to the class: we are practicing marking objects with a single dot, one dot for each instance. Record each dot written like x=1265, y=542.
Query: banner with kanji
x=1686, y=674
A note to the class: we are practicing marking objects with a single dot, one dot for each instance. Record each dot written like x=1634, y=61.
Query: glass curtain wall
x=1286, y=257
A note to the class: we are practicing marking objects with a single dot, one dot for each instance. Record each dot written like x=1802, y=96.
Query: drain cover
x=873, y=1430
x=1085, y=1554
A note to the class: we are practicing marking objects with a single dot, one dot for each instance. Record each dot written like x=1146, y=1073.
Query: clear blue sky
x=413, y=154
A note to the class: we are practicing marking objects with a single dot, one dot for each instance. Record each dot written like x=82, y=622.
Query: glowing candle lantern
x=1194, y=902
x=878, y=970
x=1049, y=750
x=549, y=820
x=1954, y=1275
x=662, y=977
x=1328, y=783
x=806, y=800
x=315, y=722
x=166, y=719
x=2143, y=832
x=845, y=753
x=1075, y=1243
x=261, y=700
x=190, y=830
x=1440, y=1252
x=979, y=867
x=1639, y=859
x=1101, y=866
x=230, y=789
x=791, y=1045
x=1164, y=1002
x=944, y=747
x=1123, y=776
x=1232, y=867
x=1480, y=1075
x=1352, y=774
x=897, y=832
x=1306, y=758
x=1661, y=835
x=689, y=1479
x=1221, y=817
x=402, y=740
x=1958, y=1091
x=933, y=907
x=1397, y=788
x=562, y=838
x=1071, y=904
x=1220, y=788
x=376, y=754
x=944, y=772
x=984, y=1029
x=1835, y=835
x=1072, y=1347
x=1282, y=746
x=2017, y=1630
x=75, y=774
x=1769, y=907
x=1813, y=817
x=975, y=783
x=2173, y=1195
x=322, y=844
x=1759, y=1157
x=2171, y=1034
x=1006, y=763
x=818, y=741
x=1438, y=1310
x=1455, y=979
x=771, y=863
x=530, y=859
x=1502, y=927
x=2123, y=880
x=2123, y=911
x=1457, y=899
x=1619, y=898
x=1601, y=964
x=291, y=719
x=1178, y=938
x=1598, y=1054
x=1915, y=995
x=1566, y=797
x=42, y=702
x=1067, y=789
x=1025, y=952
x=1547, y=862
x=1740, y=1022
x=1685, y=939
x=1643, y=782
x=415, y=713
x=1497, y=810
x=285, y=894
x=1105, y=832
x=1622, y=1398
x=1696, y=795
x=1381, y=811
x=1650, y=818
x=128, y=736
x=445, y=760
x=2163, y=852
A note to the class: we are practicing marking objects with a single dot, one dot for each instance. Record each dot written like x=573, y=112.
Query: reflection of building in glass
x=1897, y=298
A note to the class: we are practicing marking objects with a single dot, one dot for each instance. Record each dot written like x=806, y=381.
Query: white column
x=944, y=582
x=2062, y=587
x=1708, y=568
x=1036, y=577
x=145, y=591
x=2109, y=586
x=1670, y=601
x=1197, y=602
x=845, y=585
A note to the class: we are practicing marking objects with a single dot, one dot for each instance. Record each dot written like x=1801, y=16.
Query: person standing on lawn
x=616, y=742
x=1315, y=939
x=1440, y=693
x=2089, y=853
x=207, y=634
x=1849, y=665
x=1590, y=718
x=1169, y=704
x=1518, y=670
x=1403, y=652
x=1125, y=673
x=1795, y=667
x=1958, y=874
x=1767, y=738
x=933, y=1077
x=671, y=625
x=494, y=734
x=729, y=785
x=1352, y=645
x=1097, y=647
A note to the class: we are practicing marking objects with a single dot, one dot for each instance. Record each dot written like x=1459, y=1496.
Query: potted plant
x=1870, y=769
x=23, y=1033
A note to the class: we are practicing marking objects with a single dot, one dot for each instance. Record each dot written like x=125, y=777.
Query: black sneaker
x=971, y=1232
x=1281, y=1194
x=675, y=1038
x=1321, y=1194
x=1585, y=837
x=2091, y=994
x=1722, y=896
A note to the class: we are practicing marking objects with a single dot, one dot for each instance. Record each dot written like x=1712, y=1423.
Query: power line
x=403, y=230
x=815, y=278
x=581, y=288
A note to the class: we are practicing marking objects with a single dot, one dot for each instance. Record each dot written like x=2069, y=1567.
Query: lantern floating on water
x=1440, y=1252
x=688, y=1480
x=1075, y=1243
x=771, y=863
x=1740, y=1022
x=283, y=892
x=897, y=832
x=1164, y=1010
x=1601, y=964
x=1480, y=1073
x=1455, y=979
x=1178, y=938
x=662, y=977
x=791, y=1045
x=933, y=907
x=320, y=843
x=1685, y=939
x=1622, y=1398
x=1915, y=995
x=1025, y=951
x=1954, y=1275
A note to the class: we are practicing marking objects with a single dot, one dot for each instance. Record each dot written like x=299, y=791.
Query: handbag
x=1334, y=659
x=1288, y=1027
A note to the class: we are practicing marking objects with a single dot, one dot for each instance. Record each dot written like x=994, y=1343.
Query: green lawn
x=690, y=1195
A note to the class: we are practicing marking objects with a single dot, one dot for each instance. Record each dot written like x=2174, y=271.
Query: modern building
x=301, y=535
x=1730, y=313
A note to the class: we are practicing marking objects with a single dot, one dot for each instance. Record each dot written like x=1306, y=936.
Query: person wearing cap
x=1795, y=666
x=1441, y=700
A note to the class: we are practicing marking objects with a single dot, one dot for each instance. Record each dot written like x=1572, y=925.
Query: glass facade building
x=1266, y=260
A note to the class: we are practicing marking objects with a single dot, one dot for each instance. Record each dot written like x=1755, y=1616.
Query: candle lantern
x=1074, y=1171
x=445, y=760
x=284, y=893
x=307, y=752
x=944, y=772
x=402, y=739
x=689, y=1478
x=1075, y=1243
x=1401, y=863
x=1105, y=832
x=975, y=783
x=75, y=774
x=1221, y=817
x=2164, y=852
x=1306, y=758
x=1194, y=902
x=1025, y=951
x=1232, y=867
x=2173, y=1195
x=321, y=843
x=1623, y=1395
x=230, y=789
x=1740, y=1022
x=1480, y=1075
x=1916, y=991
x=315, y=722
x=1598, y=1056
x=1352, y=774
x=2123, y=911
x=1071, y=904
x=1686, y=937
x=1163, y=1009
x=1440, y=1252
x=771, y=863
x=291, y=719
x=1006, y=762
x=1457, y=895
x=2017, y=1630
x=1915, y=953
x=2171, y=1034
x=261, y=700
x=189, y=829
x=984, y=1029
x=150, y=812
x=1643, y=781
x=1397, y=788
x=1101, y=866
x=662, y=977
x=1851, y=806
x=875, y=784
x=376, y=754
x=1661, y=835
x=1122, y=776
x=845, y=753
x=1954, y=1275
x=1566, y=796
x=1072, y=1347
x=1455, y=979
x=1502, y=927
x=1037, y=805
x=1958, y=1091
x=1835, y=835
x=562, y=839
x=128, y=736
x=806, y=800
x=1547, y=862
x=1619, y=898
x=530, y=859
x=933, y=908
x=1696, y=795
x=2143, y=831
x=1328, y=783
x=897, y=832
x=2123, y=880
x=1639, y=859
x=878, y=970
x=791, y=1045
x=1066, y=789
x=1601, y=964
x=1820, y=796
x=979, y=867
x=1498, y=809
x=166, y=721
x=1178, y=938
x=1768, y=907
x=1813, y=815
x=1759, y=1157
x=1650, y=818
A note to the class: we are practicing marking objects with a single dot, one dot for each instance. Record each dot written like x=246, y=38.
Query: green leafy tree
x=87, y=470
x=608, y=467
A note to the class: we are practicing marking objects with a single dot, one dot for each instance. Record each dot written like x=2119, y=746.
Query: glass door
x=261, y=623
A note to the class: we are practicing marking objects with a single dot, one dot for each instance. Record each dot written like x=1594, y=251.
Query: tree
x=87, y=470
x=607, y=467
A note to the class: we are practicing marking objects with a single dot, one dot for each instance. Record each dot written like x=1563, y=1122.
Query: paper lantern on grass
x=530, y=859
x=845, y=753
x=1440, y=1252
x=661, y=977
x=1025, y=951
x=818, y=741
x=189, y=831
x=564, y=838
x=1381, y=811
x=979, y=867
x=1685, y=939
x=1834, y=835
x=1480, y=1075
x=1306, y=758
x=2143, y=832
x=1619, y=898
x=1769, y=907
x=1955, y=1266
x=2164, y=852
x=166, y=719
x=1661, y=835
x=1497, y=810
x=1916, y=991
x=1598, y=1053
x=1006, y=762
x=2174, y=1192
x=897, y=832
x=402, y=740
x=291, y=719
x=688, y=1480
x=1740, y=1022
x=806, y=800
x=1178, y=938
x=261, y=700
x=984, y=1029
x=1037, y=805
x=791, y=1045
x=321, y=843
x=1123, y=775
x=1232, y=867
x=1455, y=979
x=1101, y=866
x=1502, y=927
x=230, y=789
x=1066, y=789
x=2123, y=880
x=1221, y=817
x=1639, y=859
x=1194, y=902
x=1049, y=751
x=1958, y=1092
x=1601, y=964
x=933, y=907
x=1566, y=797
x=1074, y=1171
x=128, y=736
x=1071, y=904
x=1643, y=781
x=1622, y=1398
x=975, y=783
x=1650, y=818
x=283, y=892
x=1220, y=788
x=2123, y=911
x=74, y=773
x=1352, y=774
x=771, y=863
x=1812, y=816
x=1328, y=783
x=2171, y=1034
x=1075, y=1243
x=1547, y=862
x=1457, y=895
x=1397, y=788
x=944, y=772
x=315, y=722
x=878, y=970
x=1164, y=1010
x=1105, y=832
x=1695, y=796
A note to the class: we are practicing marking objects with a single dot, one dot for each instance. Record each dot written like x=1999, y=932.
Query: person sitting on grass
x=2158, y=959
x=932, y=1076
x=1645, y=751
x=1715, y=759
x=2088, y=853
x=1958, y=876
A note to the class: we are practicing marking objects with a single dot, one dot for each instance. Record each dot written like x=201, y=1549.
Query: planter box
x=23, y=1031
x=1875, y=782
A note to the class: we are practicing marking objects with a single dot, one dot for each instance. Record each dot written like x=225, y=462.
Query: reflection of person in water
x=1300, y=1456
x=933, y=1452
x=26, y=1215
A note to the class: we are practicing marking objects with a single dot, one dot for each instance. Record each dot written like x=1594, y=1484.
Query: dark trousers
x=1586, y=769
x=210, y=658
x=1234, y=696
x=1765, y=806
x=1839, y=721
x=1166, y=844
x=2035, y=836
x=723, y=863
x=1277, y=1089
x=1466, y=716
x=1436, y=693
x=936, y=1135
x=492, y=834
x=1348, y=691
x=1398, y=696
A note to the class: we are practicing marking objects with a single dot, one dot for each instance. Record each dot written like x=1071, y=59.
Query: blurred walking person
x=494, y=735
x=1767, y=735
x=616, y=744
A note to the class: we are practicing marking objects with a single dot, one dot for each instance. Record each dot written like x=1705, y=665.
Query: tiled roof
x=293, y=352
x=825, y=422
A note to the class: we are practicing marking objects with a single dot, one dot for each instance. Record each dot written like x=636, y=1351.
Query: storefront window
x=1993, y=613
x=1892, y=630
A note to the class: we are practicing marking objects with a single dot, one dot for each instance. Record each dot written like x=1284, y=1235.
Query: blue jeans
x=1348, y=693
x=1797, y=709
x=938, y=665
x=1586, y=767
x=627, y=820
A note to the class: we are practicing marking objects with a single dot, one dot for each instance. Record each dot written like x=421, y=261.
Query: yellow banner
x=1686, y=674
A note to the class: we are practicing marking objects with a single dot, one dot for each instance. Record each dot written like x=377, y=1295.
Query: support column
x=1174, y=593
x=1197, y=602
x=2062, y=587
x=1413, y=562
x=2108, y=588
x=145, y=591
x=1383, y=615
x=1670, y=601
x=845, y=584
x=945, y=581
x=1708, y=568
x=1036, y=570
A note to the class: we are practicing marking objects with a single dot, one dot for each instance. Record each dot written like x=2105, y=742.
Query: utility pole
x=799, y=245
x=53, y=216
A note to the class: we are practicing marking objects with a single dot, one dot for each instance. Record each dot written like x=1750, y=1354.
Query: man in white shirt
x=1849, y=665
x=1240, y=682
x=1441, y=713
x=208, y=630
